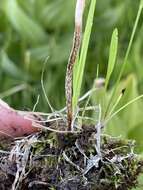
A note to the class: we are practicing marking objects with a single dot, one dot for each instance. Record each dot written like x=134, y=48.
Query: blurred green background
x=32, y=30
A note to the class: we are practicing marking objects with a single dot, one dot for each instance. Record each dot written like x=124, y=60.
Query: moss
x=71, y=161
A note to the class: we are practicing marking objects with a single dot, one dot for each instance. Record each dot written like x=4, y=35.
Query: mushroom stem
x=72, y=59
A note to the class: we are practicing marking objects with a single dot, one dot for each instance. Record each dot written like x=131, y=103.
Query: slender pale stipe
x=72, y=59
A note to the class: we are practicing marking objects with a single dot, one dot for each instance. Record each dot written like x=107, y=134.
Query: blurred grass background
x=32, y=30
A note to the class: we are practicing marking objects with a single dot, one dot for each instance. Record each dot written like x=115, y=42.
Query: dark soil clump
x=70, y=161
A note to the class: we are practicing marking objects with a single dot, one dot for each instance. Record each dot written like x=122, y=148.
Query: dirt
x=81, y=160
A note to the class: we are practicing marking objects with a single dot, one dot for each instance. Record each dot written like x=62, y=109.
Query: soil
x=82, y=160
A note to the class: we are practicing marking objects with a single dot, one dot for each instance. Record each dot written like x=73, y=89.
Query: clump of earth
x=79, y=160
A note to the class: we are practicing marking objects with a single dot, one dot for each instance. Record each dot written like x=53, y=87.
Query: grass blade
x=79, y=66
x=123, y=107
x=112, y=56
x=126, y=57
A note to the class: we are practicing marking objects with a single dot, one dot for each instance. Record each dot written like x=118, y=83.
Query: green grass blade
x=123, y=107
x=80, y=65
x=130, y=42
x=89, y=97
x=126, y=56
x=112, y=56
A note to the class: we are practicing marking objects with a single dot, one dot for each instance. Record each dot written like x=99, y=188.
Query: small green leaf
x=112, y=56
x=125, y=59
x=131, y=115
